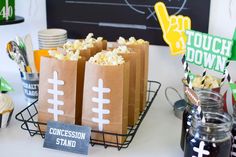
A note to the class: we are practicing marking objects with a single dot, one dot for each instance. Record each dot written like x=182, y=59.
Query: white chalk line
x=115, y=25
x=121, y=4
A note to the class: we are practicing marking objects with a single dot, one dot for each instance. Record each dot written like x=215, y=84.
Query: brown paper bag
x=79, y=90
x=143, y=49
x=93, y=50
x=59, y=91
x=99, y=46
x=134, y=86
x=105, y=103
x=86, y=54
x=104, y=44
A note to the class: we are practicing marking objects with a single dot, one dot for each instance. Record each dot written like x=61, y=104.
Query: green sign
x=5, y=86
x=233, y=88
x=208, y=51
x=7, y=9
x=233, y=57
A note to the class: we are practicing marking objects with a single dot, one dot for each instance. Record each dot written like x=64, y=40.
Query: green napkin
x=5, y=86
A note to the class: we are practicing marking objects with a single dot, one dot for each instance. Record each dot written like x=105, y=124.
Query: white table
x=159, y=134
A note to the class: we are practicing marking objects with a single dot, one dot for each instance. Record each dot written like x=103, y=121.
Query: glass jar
x=233, y=153
x=210, y=101
x=211, y=138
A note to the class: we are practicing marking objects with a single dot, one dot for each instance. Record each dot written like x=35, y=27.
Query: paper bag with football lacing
x=60, y=90
x=105, y=103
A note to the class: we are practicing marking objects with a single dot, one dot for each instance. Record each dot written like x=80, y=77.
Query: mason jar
x=209, y=138
x=210, y=101
x=233, y=153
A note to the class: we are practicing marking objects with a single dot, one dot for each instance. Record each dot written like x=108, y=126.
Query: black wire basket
x=29, y=119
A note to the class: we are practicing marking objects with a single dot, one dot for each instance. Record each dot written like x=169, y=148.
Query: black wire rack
x=30, y=123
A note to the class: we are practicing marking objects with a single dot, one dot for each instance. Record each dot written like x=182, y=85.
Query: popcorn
x=121, y=41
x=121, y=49
x=89, y=36
x=88, y=42
x=209, y=83
x=99, y=38
x=90, y=39
x=78, y=45
x=87, y=45
x=61, y=54
x=141, y=41
x=68, y=46
x=71, y=50
x=73, y=56
x=107, y=58
x=197, y=82
x=131, y=41
x=74, y=46
x=52, y=52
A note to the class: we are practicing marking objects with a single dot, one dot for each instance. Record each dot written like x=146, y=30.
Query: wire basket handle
x=167, y=97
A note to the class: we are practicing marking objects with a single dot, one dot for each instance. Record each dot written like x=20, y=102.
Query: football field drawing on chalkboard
x=143, y=9
x=114, y=18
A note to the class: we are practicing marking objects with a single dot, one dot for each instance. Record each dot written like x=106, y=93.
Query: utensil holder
x=30, y=82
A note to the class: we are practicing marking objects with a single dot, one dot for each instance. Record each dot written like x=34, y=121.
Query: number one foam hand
x=173, y=28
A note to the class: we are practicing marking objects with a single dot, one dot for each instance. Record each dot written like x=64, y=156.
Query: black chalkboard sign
x=114, y=18
x=67, y=137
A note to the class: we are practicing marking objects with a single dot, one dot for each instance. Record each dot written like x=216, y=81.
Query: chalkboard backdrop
x=114, y=18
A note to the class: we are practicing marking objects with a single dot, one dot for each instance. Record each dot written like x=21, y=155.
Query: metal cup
x=30, y=83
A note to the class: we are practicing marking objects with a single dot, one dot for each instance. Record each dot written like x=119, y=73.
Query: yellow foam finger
x=173, y=28
x=180, y=21
x=187, y=23
x=173, y=23
x=162, y=16
x=173, y=20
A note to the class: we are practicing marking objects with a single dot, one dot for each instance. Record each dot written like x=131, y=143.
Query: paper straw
x=186, y=67
x=187, y=71
x=200, y=113
x=226, y=75
x=199, y=109
x=189, y=82
x=204, y=76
